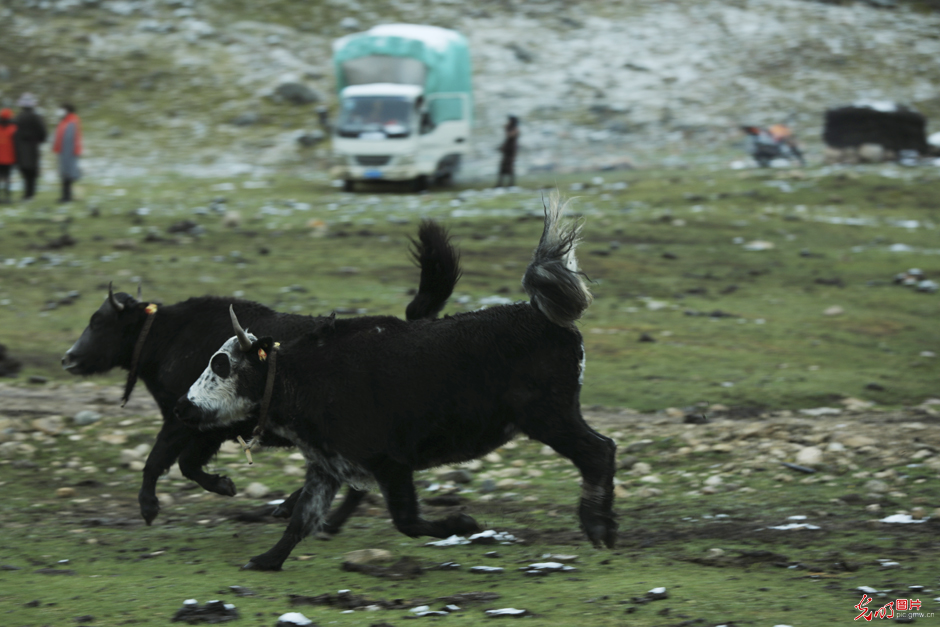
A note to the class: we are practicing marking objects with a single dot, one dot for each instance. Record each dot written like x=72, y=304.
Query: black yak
x=376, y=398
x=173, y=344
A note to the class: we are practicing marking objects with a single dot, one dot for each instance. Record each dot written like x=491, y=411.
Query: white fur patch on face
x=217, y=397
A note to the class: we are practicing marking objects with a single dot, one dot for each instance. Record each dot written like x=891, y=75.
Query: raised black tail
x=440, y=270
x=552, y=281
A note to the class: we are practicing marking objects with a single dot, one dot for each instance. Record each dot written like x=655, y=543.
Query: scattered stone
x=211, y=612
x=809, y=456
x=871, y=153
x=835, y=310
x=232, y=219
x=350, y=23
x=86, y=417
x=486, y=570
x=508, y=612
x=65, y=493
x=257, y=490
x=293, y=619
x=821, y=411
x=37, y=380
x=50, y=425
x=904, y=519
x=368, y=556
x=492, y=537
x=296, y=93
x=246, y=118
x=657, y=594
x=404, y=568
x=544, y=568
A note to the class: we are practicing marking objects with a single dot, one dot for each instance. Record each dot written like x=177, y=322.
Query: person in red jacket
x=68, y=145
x=7, y=152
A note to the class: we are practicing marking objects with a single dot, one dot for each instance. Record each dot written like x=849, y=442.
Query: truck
x=405, y=105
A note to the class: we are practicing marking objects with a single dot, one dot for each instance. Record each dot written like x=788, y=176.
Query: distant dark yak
x=173, y=344
x=373, y=399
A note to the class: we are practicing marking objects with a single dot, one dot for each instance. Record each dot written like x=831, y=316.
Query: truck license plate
x=373, y=174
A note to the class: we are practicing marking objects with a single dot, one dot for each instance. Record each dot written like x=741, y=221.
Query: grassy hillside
x=667, y=253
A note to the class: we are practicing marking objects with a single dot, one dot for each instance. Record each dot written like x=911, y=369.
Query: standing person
x=509, y=147
x=7, y=152
x=30, y=132
x=68, y=145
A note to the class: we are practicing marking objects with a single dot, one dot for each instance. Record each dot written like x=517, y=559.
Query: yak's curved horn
x=114, y=301
x=243, y=340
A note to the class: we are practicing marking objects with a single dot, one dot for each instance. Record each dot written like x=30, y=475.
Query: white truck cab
x=405, y=105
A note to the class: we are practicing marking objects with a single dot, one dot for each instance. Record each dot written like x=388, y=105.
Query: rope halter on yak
x=150, y=310
x=265, y=401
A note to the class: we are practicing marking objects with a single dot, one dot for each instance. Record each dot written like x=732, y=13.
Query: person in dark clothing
x=509, y=147
x=30, y=133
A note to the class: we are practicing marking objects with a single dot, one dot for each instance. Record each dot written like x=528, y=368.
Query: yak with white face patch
x=217, y=395
x=363, y=403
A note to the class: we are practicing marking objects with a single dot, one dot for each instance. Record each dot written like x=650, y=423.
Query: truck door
x=445, y=128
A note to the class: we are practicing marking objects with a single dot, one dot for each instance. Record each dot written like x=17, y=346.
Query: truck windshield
x=389, y=115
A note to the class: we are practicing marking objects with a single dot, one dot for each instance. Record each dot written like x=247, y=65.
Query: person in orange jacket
x=68, y=145
x=7, y=152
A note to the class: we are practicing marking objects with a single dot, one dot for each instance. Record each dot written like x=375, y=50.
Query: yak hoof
x=603, y=533
x=225, y=486
x=149, y=508
x=461, y=524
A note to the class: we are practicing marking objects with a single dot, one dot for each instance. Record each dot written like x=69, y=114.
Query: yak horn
x=114, y=301
x=243, y=340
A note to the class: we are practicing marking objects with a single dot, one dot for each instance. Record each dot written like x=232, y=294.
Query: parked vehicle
x=405, y=104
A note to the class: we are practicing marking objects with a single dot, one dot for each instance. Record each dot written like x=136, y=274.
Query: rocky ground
x=193, y=87
x=811, y=509
x=827, y=444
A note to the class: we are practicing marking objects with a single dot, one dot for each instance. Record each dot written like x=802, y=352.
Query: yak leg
x=595, y=457
x=337, y=517
x=397, y=486
x=170, y=441
x=200, y=447
x=309, y=511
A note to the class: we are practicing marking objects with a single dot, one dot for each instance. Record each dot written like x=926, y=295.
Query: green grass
x=776, y=349
x=126, y=573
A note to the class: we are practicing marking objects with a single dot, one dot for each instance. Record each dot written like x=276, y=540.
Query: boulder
x=296, y=93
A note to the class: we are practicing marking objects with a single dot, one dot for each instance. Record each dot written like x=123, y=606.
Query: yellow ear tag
x=151, y=309
x=262, y=355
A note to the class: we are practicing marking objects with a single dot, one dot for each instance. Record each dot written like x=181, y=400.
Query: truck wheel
x=348, y=185
x=420, y=184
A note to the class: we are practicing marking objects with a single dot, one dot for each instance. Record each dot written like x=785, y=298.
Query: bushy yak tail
x=552, y=281
x=440, y=270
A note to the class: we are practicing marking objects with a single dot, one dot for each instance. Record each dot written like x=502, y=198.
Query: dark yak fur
x=376, y=398
x=183, y=338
